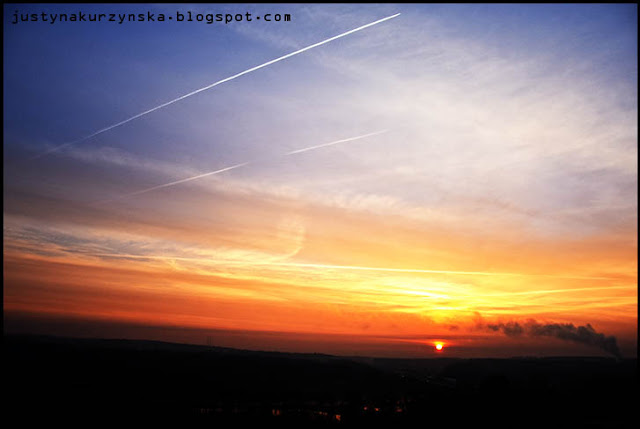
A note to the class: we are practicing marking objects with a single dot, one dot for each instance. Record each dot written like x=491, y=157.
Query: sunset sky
x=482, y=175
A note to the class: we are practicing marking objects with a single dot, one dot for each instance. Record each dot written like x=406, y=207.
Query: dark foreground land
x=149, y=384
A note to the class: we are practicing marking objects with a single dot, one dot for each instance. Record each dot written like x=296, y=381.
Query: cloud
x=114, y=157
x=586, y=335
x=511, y=329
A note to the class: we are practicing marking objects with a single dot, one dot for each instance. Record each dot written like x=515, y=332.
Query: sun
x=439, y=346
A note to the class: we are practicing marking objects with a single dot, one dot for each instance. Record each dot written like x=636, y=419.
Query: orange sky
x=321, y=271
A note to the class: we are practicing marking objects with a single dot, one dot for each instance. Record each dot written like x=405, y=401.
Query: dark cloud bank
x=563, y=331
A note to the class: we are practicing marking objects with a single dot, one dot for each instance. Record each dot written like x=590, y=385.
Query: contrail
x=188, y=179
x=335, y=142
x=146, y=112
x=211, y=173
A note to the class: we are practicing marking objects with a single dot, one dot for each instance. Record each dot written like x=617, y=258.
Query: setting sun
x=439, y=346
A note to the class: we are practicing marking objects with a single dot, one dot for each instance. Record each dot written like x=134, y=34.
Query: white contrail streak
x=211, y=173
x=188, y=179
x=176, y=182
x=335, y=142
x=146, y=112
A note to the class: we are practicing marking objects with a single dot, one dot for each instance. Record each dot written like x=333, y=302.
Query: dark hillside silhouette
x=86, y=382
